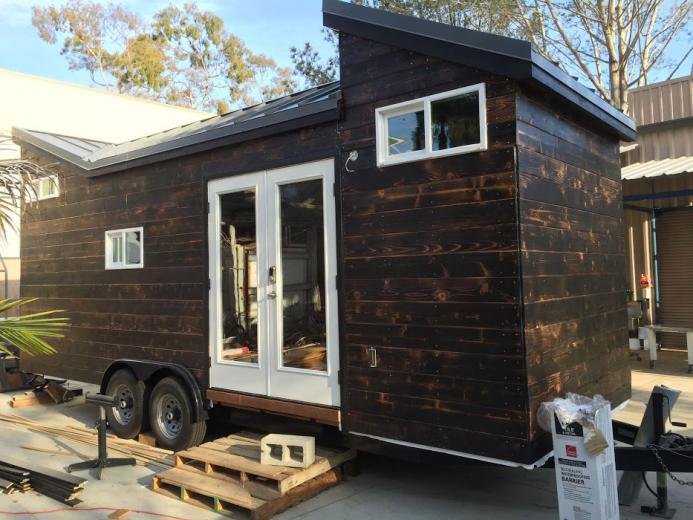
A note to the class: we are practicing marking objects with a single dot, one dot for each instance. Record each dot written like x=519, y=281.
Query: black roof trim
x=508, y=57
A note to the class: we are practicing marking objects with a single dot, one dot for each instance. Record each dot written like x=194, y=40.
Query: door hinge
x=338, y=280
x=209, y=360
x=339, y=377
x=209, y=284
x=209, y=208
x=335, y=189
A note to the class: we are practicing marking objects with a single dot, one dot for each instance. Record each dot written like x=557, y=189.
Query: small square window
x=46, y=187
x=124, y=248
x=441, y=124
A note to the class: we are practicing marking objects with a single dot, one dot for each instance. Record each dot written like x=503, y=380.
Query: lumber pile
x=226, y=476
x=30, y=399
x=143, y=454
x=12, y=479
x=55, y=484
x=48, y=393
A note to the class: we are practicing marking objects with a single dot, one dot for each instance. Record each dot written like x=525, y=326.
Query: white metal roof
x=657, y=168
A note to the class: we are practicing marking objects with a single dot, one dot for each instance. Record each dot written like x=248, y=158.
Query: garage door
x=675, y=259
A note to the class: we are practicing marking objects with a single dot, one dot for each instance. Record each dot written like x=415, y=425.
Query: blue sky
x=269, y=27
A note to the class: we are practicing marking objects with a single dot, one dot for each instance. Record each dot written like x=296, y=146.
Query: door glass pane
x=455, y=121
x=238, y=242
x=303, y=276
x=405, y=133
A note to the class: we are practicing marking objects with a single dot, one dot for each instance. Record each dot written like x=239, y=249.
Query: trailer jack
x=653, y=449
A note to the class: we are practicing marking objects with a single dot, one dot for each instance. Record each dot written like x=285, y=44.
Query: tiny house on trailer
x=418, y=254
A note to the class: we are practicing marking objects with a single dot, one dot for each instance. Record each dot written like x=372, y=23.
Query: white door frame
x=268, y=377
x=227, y=374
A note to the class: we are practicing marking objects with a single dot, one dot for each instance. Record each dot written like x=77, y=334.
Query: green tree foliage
x=183, y=56
x=611, y=45
x=29, y=332
x=495, y=16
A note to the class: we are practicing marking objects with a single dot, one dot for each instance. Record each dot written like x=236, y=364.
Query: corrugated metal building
x=658, y=199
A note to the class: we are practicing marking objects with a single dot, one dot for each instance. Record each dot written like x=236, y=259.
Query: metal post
x=661, y=510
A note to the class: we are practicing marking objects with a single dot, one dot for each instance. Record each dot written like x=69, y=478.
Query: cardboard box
x=586, y=484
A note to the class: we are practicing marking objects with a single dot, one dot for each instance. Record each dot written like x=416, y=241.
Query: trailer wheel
x=170, y=415
x=125, y=419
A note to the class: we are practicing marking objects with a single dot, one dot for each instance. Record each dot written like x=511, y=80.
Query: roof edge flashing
x=514, y=58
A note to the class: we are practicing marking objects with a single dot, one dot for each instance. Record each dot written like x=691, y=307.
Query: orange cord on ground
x=78, y=509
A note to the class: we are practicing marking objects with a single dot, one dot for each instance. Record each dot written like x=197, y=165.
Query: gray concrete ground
x=385, y=489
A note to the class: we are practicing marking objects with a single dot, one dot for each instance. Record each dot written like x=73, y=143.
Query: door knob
x=272, y=294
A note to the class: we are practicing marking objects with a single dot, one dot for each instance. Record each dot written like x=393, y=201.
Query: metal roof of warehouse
x=657, y=168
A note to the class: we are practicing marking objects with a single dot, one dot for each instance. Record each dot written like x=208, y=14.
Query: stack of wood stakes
x=25, y=476
x=144, y=455
x=226, y=476
x=12, y=480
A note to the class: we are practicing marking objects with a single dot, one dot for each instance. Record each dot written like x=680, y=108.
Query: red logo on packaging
x=571, y=451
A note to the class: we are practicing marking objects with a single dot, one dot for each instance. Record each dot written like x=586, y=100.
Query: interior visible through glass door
x=238, y=255
x=302, y=253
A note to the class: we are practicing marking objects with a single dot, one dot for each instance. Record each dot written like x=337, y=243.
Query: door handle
x=272, y=295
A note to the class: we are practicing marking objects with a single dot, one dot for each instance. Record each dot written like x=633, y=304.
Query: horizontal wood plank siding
x=159, y=312
x=572, y=259
x=430, y=276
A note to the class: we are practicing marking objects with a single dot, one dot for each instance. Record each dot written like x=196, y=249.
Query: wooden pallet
x=226, y=476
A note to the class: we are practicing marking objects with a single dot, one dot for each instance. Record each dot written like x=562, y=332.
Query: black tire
x=170, y=415
x=126, y=418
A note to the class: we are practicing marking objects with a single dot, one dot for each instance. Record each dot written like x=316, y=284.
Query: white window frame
x=108, y=250
x=416, y=105
x=41, y=185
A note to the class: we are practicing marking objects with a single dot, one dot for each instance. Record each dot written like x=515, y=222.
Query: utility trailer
x=416, y=255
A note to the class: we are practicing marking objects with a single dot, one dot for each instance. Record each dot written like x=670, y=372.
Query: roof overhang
x=657, y=168
x=508, y=57
x=160, y=147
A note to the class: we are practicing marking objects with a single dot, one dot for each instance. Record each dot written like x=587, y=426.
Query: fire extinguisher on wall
x=644, y=281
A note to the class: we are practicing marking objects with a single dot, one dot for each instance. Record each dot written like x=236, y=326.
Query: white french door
x=273, y=295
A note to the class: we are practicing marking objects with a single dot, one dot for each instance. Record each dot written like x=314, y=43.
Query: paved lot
x=385, y=489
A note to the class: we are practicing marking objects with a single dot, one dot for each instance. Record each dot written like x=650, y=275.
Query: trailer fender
x=152, y=371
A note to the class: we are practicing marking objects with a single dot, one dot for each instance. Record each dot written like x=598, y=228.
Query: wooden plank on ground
x=208, y=486
x=228, y=461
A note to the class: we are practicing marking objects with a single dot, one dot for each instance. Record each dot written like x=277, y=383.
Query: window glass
x=303, y=276
x=133, y=247
x=239, y=276
x=455, y=121
x=51, y=188
x=116, y=249
x=405, y=133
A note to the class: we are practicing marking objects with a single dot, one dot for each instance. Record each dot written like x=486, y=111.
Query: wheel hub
x=125, y=409
x=169, y=415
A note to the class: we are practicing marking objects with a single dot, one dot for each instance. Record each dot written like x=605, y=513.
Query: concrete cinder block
x=297, y=451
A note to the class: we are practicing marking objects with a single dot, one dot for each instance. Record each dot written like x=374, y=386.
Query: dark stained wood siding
x=158, y=312
x=573, y=258
x=430, y=269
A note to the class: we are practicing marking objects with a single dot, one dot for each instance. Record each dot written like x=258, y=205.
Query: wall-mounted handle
x=272, y=295
x=372, y=357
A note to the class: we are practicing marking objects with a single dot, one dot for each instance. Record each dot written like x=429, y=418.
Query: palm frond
x=29, y=332
x=17, y=187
